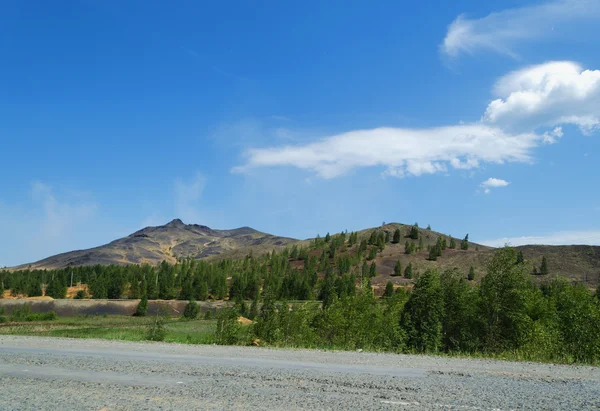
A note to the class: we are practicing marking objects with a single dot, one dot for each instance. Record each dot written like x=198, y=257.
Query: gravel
x=59, y=373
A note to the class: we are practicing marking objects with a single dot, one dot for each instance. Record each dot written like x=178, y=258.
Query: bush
x=156, y=330
x=80, y=295
x=227, y=328
x=24, y=314
x=191, y=310
x=142, y=307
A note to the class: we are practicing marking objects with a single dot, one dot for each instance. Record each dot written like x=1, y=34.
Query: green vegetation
x=24, y=313
x=504, y=316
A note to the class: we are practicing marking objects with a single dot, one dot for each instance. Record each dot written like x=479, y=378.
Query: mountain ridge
x=154, y=244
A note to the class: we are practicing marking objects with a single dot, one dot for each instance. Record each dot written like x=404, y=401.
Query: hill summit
x=168, y=242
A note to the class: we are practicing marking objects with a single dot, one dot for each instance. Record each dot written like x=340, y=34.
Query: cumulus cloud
x=549, y=94
x=187, y=198
x=591, y=237
x=501, y=32
x=401, y=151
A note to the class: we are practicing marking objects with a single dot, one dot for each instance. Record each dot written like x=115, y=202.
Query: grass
x=116, y=328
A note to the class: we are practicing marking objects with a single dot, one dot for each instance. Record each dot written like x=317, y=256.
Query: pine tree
x=452, y=243
x=471, y=275
x=389, y=290
x=429, y=227
x=544, y=266
x=191, y=310
x=414, y=232
x=421, y=245
x=408, y=271
x=327, y=238
x=372, y=253
x=520, y=258
x=142, y=307
x=396, y=238
x=398, y=268
x=387, y=237
x=373, y=270
x=407, y=248
x=253, y=313
x=444, y=243
x=433, y=254
x=464, y=245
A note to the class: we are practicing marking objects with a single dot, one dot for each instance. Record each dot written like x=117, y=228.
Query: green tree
x=423, y=314
x=433, y=254
x=544, y=266
x=464, y=245
x=373, y=270
x=372, y=253
x=504, y=295
x=520, y=258
x=327, y=238
x=452, y=243
x=408, y=271
x=142, y=307
x=398, y=268
x=389, y=290
x=191, y=310
x=421, y=244
x=414, y=232
x=396, y=237
x=471, y=275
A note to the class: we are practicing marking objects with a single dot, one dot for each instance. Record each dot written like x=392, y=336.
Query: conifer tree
x=373, y=270
x=433, y=254
x=389, y=290
x=421, y=245
x=327, y=238
x=398, y=268
x=544, y=266
x=372, y=253
x=452, y=243
x=387, y=237
x=444, y=243
x=396, y=238
x=365, y=270
x=408, y=271
x=191, y=310
x=464, y=245
x=520, y=258
x=471, y=275
x=414, y=232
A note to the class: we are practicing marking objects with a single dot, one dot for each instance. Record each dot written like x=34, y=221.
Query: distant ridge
x=168, y=242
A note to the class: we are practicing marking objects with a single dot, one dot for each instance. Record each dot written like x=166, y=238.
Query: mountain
x=174, y=240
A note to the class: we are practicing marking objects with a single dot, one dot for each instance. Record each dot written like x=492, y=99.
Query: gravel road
x=65, y=374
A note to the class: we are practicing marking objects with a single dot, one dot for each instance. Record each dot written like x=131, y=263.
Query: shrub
x=142, y=307
x=156, y=330
x=191, y=310
x=80, y=295
x=24, y=313
x=227, y=328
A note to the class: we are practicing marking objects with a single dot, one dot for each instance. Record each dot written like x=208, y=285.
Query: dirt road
x=44, y=373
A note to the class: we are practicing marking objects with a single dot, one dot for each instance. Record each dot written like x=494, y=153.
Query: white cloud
x=187, y=198
x=501, y=32
x=494, y=182
x=591, y=237
x=549, y=94
x=401, y=151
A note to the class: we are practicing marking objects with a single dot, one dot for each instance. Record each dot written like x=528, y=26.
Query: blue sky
x=297, y=118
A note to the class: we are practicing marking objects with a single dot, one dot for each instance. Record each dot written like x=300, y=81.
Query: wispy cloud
x=53, y=221
x=502, y=31
x=187, y=198
x=401, y=151
x=591, y=237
